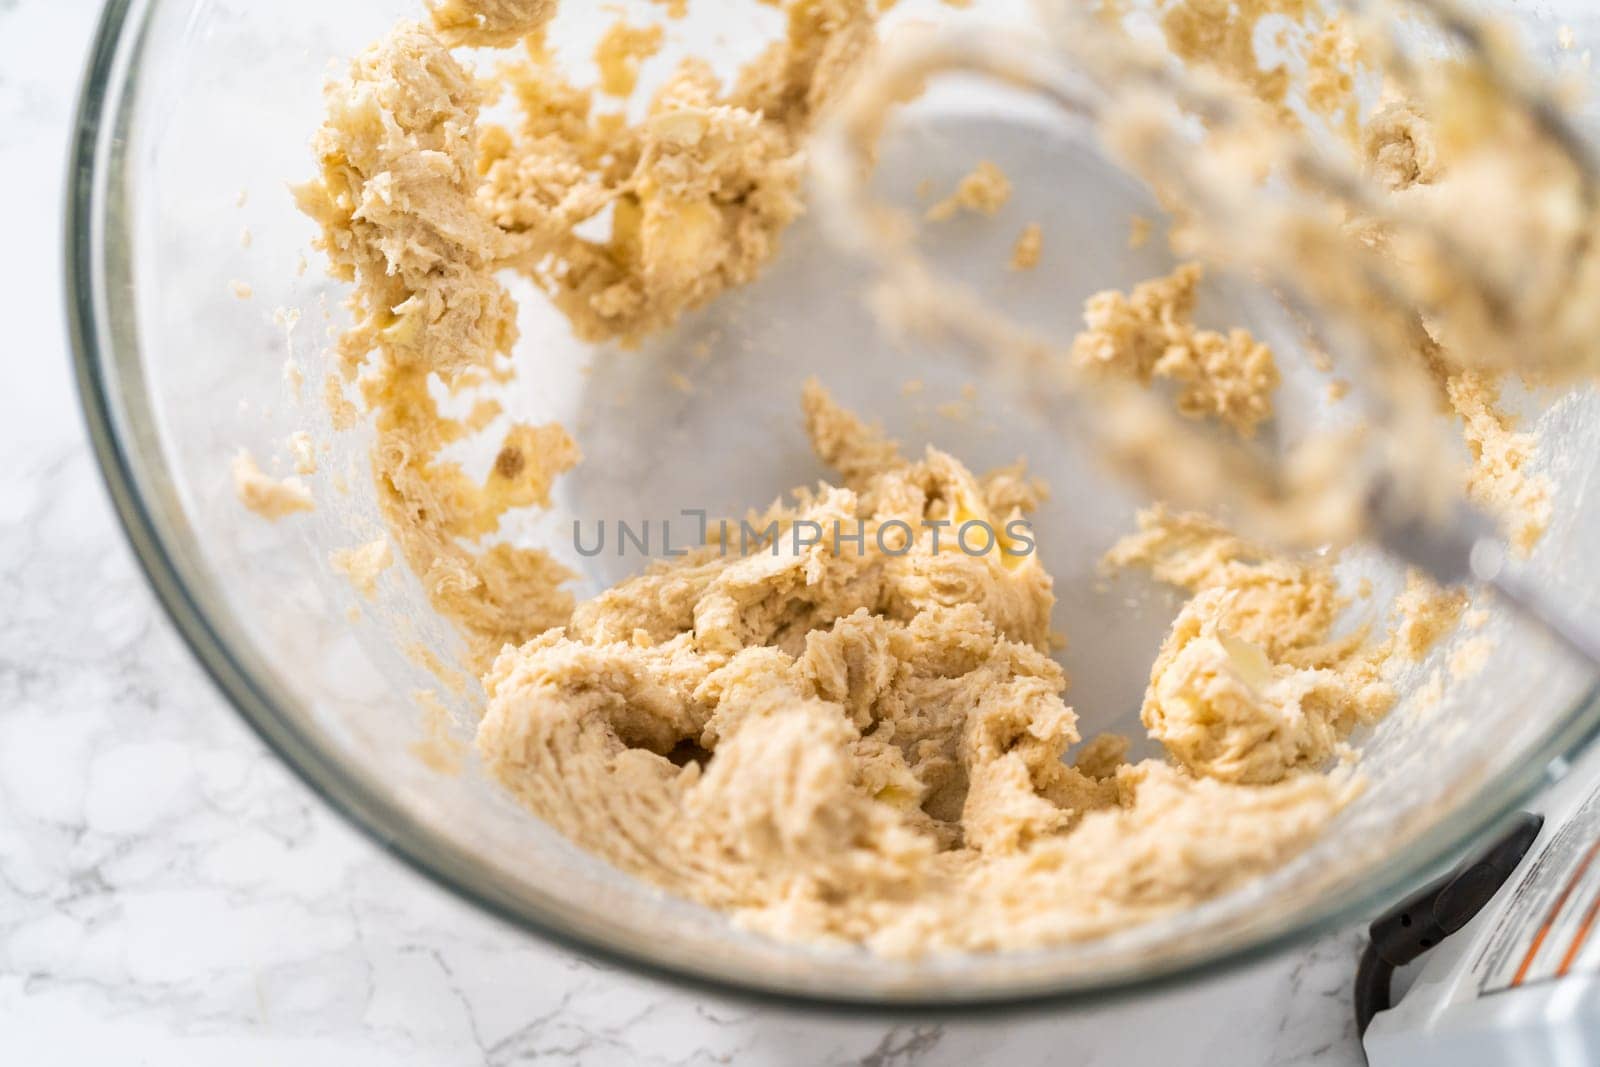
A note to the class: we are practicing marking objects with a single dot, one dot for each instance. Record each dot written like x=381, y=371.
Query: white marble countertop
x=169, y=894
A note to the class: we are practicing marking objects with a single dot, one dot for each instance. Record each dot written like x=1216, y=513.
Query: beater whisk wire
x=1381, y=313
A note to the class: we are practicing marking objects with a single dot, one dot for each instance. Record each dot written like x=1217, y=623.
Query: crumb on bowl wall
x=271, y=498
x=304, y=452
x=363, y=564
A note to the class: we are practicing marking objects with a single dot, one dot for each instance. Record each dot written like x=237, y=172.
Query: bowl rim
x=92, y=151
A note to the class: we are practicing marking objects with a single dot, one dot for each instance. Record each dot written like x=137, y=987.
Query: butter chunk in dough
x=1221, y=707
x=1251, y=684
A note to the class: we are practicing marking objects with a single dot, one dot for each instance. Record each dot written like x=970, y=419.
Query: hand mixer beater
x=1493, y=270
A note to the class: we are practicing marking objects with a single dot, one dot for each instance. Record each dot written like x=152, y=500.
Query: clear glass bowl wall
x=196, y=118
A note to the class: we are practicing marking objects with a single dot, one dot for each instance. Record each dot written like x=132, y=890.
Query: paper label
x=1547, y=930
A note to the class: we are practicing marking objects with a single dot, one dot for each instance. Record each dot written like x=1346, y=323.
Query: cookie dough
x=869, y=745
x=1150, y=333
x=865, y=739
x=422, y=205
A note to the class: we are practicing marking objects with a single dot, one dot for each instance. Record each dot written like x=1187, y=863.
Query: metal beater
x=1164, y=121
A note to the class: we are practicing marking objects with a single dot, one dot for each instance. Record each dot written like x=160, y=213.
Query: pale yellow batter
x=869, y=744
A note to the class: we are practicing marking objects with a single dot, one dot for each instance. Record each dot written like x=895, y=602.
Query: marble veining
x=170, y=894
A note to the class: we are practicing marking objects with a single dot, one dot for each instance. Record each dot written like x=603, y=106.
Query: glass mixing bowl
x=195, y=117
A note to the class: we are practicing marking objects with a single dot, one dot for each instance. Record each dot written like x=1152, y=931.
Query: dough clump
x=423, y=205
x=1250, y=683
x=869, y=744
x=1150, y=333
